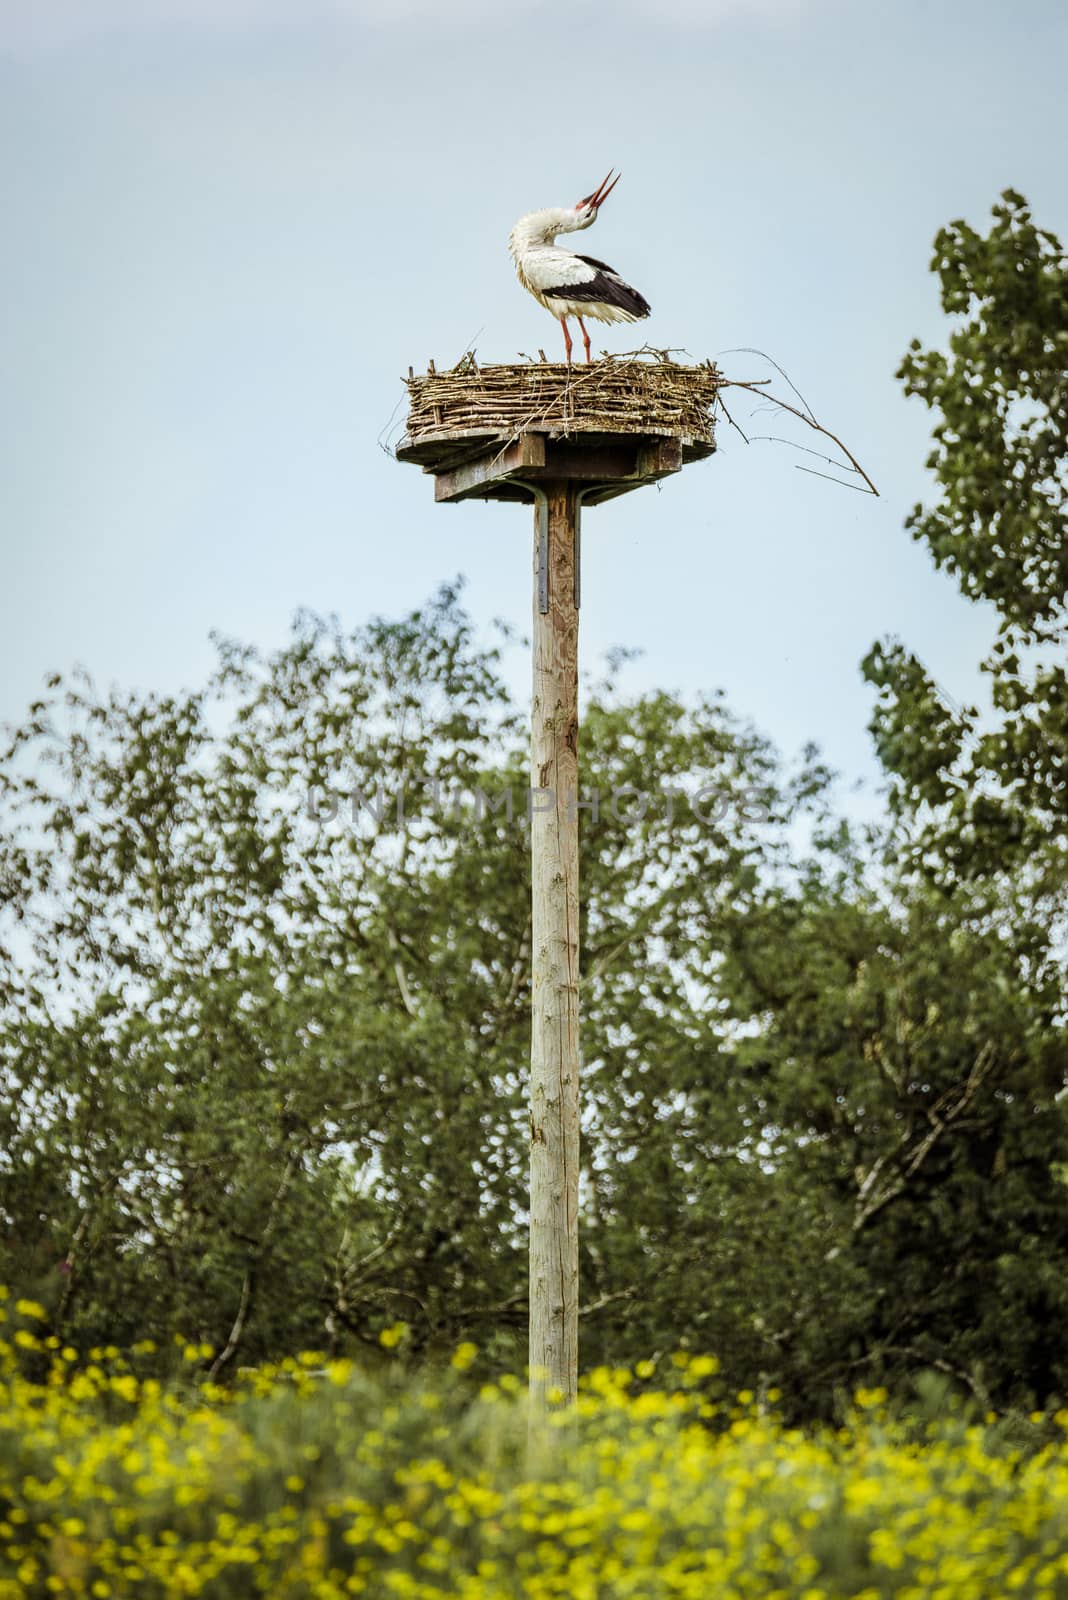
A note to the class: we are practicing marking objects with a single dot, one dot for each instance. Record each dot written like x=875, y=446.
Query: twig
x=372, y=1255
x=784, y=405
x=776, y=438
x=974, y=1384
x=238, y=1328
x=730, y=419
x=839, y=481
x=606, y=1300
x=747, y=350
x=387, y=429
x=401, y=976
x=946, y=1110
x=255, y=1257
x=513, y=1302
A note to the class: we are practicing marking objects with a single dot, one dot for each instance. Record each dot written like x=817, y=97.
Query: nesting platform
x=500, y=432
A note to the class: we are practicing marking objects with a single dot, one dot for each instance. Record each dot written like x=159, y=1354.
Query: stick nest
x=643, y=393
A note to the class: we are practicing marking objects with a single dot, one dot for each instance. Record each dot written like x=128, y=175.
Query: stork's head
x=541, y=227
x=586, y=210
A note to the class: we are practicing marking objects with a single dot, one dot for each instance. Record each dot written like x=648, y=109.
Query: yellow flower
x=463, y=1356
x=704, y=1367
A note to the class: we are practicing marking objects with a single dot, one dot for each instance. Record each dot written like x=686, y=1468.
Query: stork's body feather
x=571, y=285
x=568, y=284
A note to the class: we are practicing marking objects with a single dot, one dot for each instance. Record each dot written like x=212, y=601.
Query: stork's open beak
x=600, y=194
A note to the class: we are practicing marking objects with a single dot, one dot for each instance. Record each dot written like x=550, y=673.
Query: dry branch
x=757, y=387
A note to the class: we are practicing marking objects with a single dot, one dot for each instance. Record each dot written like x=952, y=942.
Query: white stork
x=567, y=284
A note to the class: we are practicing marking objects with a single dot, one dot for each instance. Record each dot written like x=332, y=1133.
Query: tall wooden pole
x=569, y=451
x=554, y=1056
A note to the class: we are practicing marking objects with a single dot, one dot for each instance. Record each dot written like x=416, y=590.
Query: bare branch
x=747, y=350
x=946, y=1110
x=777, y=438
x=401, y=976
x=293, y=1162
x=238, y=1328
x=730, y=419
x=970, y=1380
x=357, y=1267
x=606, y=1300
x=805, y=416
x=839, y=481
x=513, y=1302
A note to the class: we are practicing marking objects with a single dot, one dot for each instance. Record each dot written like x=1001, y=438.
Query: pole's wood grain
x=554, y=1061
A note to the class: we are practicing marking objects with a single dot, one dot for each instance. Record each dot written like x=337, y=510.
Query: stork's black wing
x=605, y=285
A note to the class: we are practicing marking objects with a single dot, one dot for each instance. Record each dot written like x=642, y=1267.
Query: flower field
x=319, y=1479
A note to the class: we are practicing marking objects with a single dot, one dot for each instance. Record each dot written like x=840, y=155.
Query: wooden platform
x=604, y=465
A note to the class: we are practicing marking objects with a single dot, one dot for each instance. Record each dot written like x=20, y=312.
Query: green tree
x=981, y=799
x=989, y=794
x=223, y=1072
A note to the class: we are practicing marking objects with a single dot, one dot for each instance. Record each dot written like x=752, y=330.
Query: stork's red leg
x=585, y=340
x=567, y=338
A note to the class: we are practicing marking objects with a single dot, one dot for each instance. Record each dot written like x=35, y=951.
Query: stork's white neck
x=541, y=227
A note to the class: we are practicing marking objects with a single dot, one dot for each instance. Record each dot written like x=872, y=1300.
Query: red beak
x=600, y=194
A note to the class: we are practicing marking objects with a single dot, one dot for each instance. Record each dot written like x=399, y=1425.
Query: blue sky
x=231, y=226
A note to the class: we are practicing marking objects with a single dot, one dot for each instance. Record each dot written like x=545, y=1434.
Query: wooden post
x=554, y=1046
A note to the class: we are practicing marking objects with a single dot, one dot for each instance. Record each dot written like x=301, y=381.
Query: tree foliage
x=998, y=783
x=266, y=1050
